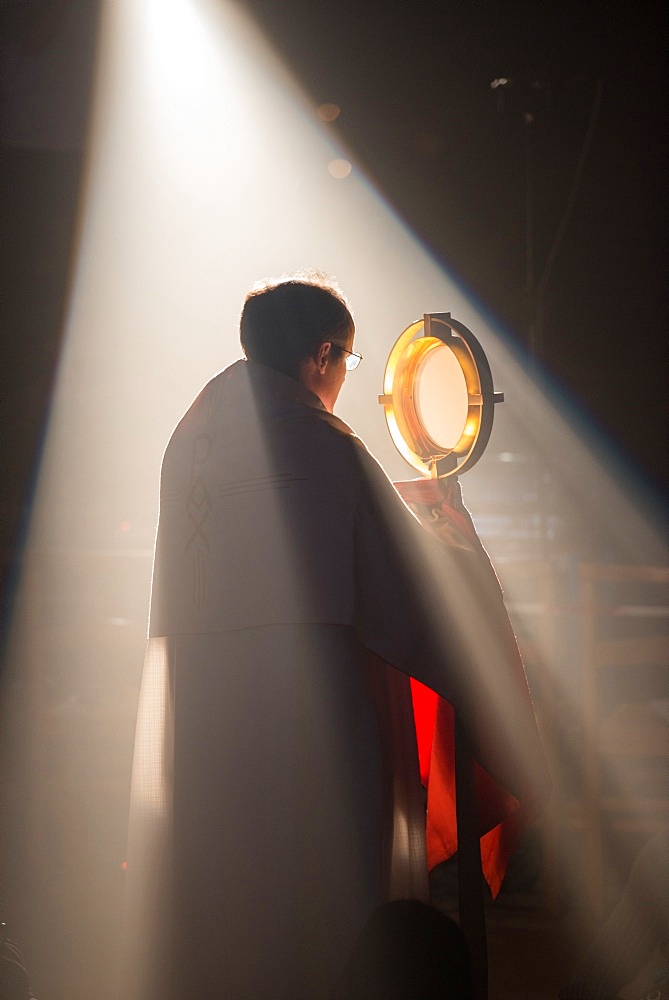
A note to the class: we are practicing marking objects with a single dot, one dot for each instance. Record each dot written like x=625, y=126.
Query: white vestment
x=276, y=797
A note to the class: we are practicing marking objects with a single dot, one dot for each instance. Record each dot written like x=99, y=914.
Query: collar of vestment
x=275, y=391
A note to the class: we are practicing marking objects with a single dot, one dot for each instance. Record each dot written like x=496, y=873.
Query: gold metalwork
x=469, y=397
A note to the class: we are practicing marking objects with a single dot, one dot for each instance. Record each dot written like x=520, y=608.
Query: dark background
x=584, y=113
x=451, y=154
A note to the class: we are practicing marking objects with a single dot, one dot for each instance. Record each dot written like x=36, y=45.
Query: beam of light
x=209, y=170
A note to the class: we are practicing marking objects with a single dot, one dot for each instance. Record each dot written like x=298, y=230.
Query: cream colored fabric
x=281, y=541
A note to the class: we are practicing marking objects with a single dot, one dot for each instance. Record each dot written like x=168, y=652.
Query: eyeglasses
x=352, y=359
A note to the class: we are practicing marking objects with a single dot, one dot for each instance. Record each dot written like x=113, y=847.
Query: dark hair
x=285, y=320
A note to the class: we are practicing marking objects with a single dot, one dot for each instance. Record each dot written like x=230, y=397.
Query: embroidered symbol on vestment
x=198, y=508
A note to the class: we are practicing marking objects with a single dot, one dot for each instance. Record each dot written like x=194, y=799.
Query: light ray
x=209, y=169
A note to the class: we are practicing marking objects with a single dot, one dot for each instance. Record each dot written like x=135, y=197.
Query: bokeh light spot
x=339, y=168
x=328, y=112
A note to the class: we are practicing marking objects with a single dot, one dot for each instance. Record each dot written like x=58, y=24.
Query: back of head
x=285, y=320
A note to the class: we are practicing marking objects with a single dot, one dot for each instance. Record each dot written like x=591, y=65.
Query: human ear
x=323, y=356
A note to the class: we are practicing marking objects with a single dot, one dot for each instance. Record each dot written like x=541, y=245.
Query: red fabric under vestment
x=501, y=818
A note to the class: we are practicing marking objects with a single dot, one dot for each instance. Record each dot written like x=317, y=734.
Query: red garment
x=501, y=818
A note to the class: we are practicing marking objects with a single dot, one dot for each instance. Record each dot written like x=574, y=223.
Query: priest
x=277, y=795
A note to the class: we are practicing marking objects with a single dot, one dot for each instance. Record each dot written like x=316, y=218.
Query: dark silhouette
x=408, y=950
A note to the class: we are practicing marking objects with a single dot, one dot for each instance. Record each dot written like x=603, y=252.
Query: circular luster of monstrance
x=438, y=396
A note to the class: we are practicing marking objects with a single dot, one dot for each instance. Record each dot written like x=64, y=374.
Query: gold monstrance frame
x=438, y=396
